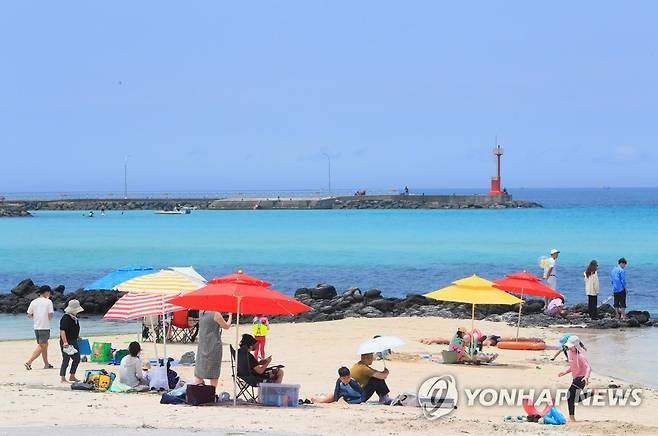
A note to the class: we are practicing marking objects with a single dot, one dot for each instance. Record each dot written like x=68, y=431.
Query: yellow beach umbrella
x=473, y=290
x=163, y=282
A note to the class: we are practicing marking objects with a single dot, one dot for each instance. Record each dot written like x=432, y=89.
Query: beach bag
x=196, y=395
x=158, y=380
x=554, y=417
x=176, y=396
x=101, y=352
x=118, y=355
x=80, y=386
x=83, y=347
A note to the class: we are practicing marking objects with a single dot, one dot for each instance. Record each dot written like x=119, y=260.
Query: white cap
x=554, y=251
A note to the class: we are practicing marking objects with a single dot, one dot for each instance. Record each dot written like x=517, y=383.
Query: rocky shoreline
x=328, y=304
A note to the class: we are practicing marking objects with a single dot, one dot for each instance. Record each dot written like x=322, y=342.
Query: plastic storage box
x=279, y=395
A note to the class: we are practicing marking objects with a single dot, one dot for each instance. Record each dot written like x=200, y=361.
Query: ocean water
x=397, y=251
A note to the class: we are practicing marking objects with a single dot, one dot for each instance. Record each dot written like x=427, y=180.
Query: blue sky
x=248, y=95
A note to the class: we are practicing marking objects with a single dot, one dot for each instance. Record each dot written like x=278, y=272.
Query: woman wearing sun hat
x=580, y=370
x=69, y=333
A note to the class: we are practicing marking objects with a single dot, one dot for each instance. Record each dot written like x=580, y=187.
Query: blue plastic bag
x=554, y=417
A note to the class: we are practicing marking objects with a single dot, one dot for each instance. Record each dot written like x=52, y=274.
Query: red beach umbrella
x=242, y=278
x=240, y=294
x=524, y=283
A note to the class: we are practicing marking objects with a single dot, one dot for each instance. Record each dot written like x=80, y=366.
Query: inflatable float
x=522, y=345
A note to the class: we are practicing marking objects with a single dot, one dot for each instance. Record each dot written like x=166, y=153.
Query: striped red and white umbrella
x=134, y=306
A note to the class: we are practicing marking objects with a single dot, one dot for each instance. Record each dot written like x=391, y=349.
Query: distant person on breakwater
x=592, y=289
x=618, y=279
x=41, y=311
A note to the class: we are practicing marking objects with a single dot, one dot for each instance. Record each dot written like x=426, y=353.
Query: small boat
x=171, y=212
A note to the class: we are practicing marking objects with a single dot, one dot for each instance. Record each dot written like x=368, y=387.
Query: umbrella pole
x=472, y=317
x=165, y=331
x=155, y=342
x=518, y=322
x=237, y=336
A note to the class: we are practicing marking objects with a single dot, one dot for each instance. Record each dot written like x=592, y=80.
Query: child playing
x=260, y=328
x=346, y=388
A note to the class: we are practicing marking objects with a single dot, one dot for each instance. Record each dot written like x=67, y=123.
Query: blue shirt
x=352, y=392
x=618, y=279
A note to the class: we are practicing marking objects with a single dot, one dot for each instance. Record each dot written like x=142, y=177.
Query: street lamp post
x=125, y=177
x=328, y=172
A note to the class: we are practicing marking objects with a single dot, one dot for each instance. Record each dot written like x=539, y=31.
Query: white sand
x=312, y=353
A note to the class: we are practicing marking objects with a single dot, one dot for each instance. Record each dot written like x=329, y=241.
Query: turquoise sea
x=397, y=251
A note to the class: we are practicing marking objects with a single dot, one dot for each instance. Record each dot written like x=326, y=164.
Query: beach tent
x=240, y=294
x=111, y=280
x=188, y=271
x=524, y=283
x=473, y=290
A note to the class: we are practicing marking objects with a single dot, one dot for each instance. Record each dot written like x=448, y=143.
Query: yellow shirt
x=362, y=373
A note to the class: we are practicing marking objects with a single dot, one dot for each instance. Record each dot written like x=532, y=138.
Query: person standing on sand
x=260, y=328
x=618, y=279
x=209, y=351
x=592, y=289
x=69, y=334
x=41, y=311
x=580, y=370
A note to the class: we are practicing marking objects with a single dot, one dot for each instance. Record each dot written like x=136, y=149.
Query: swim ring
x=522, y=345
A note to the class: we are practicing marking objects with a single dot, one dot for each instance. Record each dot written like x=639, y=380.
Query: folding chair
x=180, y=330
x=245, y=390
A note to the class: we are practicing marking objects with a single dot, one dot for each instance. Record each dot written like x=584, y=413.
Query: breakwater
x=21, y=208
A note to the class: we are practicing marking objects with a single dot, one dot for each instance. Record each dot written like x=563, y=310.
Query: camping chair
x=245, y=390
x=151, y=334
x=180, y=330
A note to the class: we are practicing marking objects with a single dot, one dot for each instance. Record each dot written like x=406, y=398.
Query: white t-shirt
x=40, y=308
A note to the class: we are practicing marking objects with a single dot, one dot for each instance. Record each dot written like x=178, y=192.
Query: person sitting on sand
x=130, y=368
x=255, y=371
x=371, y=380
x=346, y=389
x=556, y=307
x=457, y=343
x=486, y=341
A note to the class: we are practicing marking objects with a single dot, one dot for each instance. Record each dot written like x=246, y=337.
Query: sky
x=218, y=96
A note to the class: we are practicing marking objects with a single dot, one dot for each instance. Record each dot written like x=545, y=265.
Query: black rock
x=323, y=292
x=384, y=305
x=302, y=291
x=25, y=288
x=641, y=316
x=606, y=309
x=373, y=293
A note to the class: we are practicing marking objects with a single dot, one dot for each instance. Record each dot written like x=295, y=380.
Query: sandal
x=28, y=366
x=49, y=366
x=508, y=418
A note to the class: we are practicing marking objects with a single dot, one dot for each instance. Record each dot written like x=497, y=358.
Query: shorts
x=42, y=336
x=620, y=300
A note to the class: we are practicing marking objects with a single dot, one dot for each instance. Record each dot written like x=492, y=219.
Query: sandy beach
x=311, y=353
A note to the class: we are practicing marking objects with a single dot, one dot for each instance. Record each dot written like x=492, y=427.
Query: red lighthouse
x=495, y=181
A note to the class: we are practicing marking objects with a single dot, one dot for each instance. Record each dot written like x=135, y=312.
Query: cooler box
x=279, y=395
